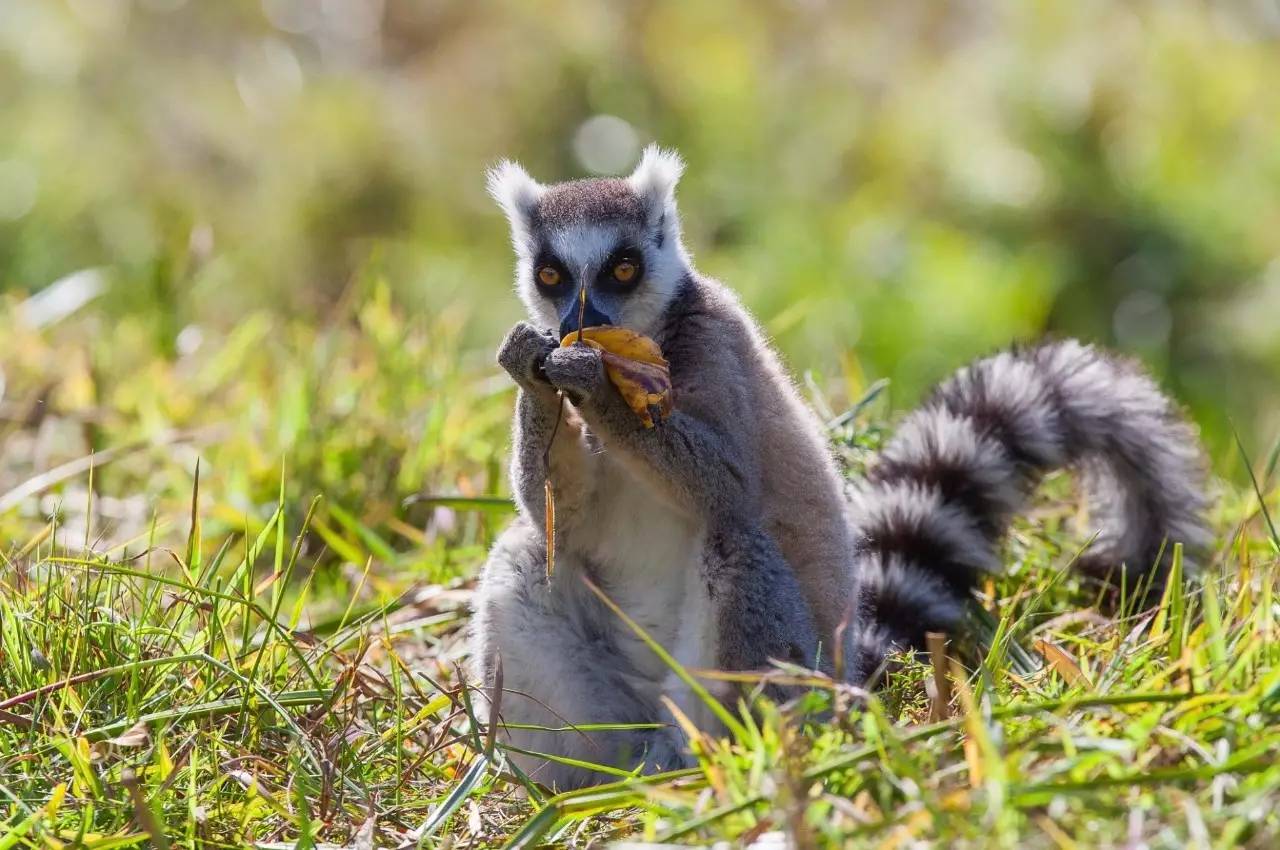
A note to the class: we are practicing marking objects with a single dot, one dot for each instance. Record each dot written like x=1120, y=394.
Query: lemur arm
x=538, y=408
x=694, y=458
x=700, y=459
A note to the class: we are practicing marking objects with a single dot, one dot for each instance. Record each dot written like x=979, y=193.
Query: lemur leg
x=759, y=609
x=563, y=664
x=743, y=609
x=538, y=410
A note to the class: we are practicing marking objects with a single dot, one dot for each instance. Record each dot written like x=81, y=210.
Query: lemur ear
x=655, y=178
x=515, y=191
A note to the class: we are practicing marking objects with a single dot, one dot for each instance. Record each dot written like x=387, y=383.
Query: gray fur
x=724, y=531
x=761, y=612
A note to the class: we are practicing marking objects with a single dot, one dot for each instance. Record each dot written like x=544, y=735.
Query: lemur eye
x=624, y=272
x=548, y=276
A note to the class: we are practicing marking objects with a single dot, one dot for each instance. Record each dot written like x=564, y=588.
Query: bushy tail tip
x=933, y=509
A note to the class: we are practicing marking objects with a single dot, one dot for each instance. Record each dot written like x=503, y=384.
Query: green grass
x=271, y=654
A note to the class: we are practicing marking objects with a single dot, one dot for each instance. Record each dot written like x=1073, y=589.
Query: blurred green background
x=257, y=230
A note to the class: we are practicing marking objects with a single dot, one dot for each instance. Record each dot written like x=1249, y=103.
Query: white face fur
x=618, y=236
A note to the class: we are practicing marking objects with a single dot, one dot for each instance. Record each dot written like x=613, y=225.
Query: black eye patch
x=622, y=271
x=550, y=275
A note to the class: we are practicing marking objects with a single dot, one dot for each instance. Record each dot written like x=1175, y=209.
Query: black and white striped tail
x=933, y=509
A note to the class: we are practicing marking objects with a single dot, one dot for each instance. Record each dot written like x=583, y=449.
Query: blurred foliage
x=283, y=202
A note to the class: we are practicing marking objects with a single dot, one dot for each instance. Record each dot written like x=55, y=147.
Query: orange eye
x=548, y=276
x=624, y=272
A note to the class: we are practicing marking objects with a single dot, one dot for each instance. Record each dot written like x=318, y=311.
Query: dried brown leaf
x=136, y=736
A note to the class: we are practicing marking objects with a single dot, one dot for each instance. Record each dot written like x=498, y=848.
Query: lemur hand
x=578, y=370
x=524, y=352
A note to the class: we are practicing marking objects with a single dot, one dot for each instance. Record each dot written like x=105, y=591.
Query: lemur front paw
x=665, y=750
x=524, y=352
x=576, y=369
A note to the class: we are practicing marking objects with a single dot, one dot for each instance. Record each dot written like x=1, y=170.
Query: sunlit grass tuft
x=187, y=691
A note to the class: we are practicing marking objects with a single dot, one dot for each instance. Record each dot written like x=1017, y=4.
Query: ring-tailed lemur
x=725, y=531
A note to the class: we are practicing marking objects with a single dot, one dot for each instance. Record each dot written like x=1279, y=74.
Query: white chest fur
x=649, y=555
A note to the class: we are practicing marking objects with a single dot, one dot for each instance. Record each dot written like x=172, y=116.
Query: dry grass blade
x=549, y=509
x=1062, y=661
x=549, y=528
x=940, y=702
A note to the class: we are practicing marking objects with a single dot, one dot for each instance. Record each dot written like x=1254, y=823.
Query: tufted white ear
x=515, y=191
x=656, y=176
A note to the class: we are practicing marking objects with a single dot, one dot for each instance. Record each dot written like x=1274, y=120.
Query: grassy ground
x=247, y=629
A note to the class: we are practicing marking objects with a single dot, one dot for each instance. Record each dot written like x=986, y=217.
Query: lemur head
x=619, y=237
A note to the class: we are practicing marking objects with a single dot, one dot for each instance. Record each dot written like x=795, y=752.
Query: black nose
x=592, y=317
